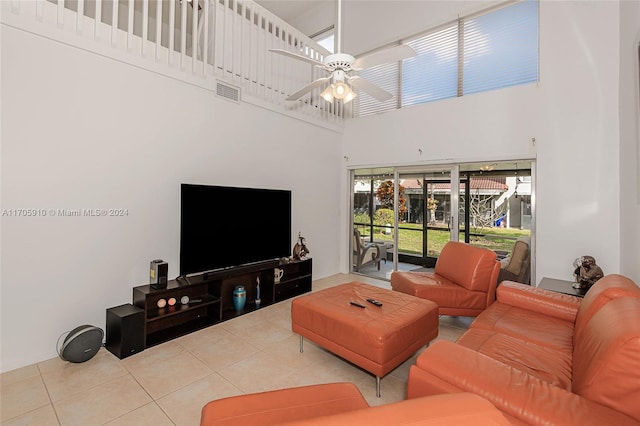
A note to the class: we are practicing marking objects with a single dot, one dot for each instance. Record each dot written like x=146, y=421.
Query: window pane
x=433, y=73
x=501, y=48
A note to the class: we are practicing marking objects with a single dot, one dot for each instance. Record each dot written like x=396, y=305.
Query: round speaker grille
x=81, y=344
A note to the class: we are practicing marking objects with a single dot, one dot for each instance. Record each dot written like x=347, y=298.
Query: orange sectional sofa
x=546, y=358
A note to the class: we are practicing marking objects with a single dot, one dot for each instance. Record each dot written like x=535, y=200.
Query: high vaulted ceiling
x=369, y=24
x=291, y=10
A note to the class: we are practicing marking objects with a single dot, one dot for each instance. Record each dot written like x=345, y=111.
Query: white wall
x=630, y=138
x=83, y=131
x=572, y=113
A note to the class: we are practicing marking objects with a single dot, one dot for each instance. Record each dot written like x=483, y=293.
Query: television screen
x=224, y=226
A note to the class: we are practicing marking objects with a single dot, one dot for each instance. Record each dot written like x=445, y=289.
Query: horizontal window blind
x=433, y=73
x=485, y=52
x=386, y=77
x=501, y=48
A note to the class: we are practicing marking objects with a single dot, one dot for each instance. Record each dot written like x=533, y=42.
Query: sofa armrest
x=512, y=391
x=546, y=302
x=283, y=405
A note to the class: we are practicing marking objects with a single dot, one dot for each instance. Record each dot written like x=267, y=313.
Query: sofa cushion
x=527, y=325
x=466, y=265
x=548, y=364
x=606, y=357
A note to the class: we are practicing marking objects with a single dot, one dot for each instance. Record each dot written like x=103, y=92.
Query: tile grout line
x=46, y=388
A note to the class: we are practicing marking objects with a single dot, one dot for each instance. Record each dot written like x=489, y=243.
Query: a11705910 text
x=57, y=212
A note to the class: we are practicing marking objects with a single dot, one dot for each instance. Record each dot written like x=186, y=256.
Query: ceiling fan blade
x=392, y=54
x=309, y=87
x=296, y=56
x=367, y=86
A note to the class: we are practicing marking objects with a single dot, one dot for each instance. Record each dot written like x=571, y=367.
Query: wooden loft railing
x=231, y=40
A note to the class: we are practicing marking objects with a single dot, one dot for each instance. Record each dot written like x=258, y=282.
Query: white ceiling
x=290, y=10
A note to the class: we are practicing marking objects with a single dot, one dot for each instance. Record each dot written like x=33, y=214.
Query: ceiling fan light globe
x=327, y=94
x=349, y=97
x=340, y=90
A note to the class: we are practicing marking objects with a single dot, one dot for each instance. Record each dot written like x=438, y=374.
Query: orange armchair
x=464, y=282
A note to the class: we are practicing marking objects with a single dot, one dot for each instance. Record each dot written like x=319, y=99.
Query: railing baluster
x=130, y=26
x=227, y=40
x=282, y=66
x=250, y=47
x=234, y=40
x=80, y=16
x=172, y=29
x=145, y=25
x=60, y=16
x=194, y=35
x=240, y=17
x=223, y=37
x=114, y=21
x=39, y=9
x=98, y=21
x=159, y=30
x=215, y=35
x=183, y=33
x=263, y=54
x=205, y=38
x=267, y=61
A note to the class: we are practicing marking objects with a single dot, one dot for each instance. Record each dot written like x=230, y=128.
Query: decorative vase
x=239, y=297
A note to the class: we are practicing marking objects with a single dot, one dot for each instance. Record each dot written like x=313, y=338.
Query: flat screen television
x=222, y=227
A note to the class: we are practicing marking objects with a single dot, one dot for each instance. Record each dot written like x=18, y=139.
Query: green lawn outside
x=410, y=238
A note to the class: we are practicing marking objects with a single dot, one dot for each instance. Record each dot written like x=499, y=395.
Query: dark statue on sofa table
x=586, y=271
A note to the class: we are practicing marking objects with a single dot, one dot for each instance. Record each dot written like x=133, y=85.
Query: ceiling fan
x=342, y=68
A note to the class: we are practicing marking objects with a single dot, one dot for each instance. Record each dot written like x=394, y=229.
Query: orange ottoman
x=375, y=338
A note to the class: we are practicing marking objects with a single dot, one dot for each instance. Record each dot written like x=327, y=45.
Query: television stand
x=210, y=297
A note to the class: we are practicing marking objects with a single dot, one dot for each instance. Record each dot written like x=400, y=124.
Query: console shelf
x=179, y=308
x=210, y=297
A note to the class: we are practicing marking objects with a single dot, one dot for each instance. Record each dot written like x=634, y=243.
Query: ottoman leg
x=301, y=344
x=378, y=386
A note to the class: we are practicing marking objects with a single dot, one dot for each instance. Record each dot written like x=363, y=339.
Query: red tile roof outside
x=489, y=183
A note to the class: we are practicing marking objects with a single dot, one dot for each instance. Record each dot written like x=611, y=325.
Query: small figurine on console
x=586, y=272
x=300, y=250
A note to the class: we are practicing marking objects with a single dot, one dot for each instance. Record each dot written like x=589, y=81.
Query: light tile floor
x=168, y=384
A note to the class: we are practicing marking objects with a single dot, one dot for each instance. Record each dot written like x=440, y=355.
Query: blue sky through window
x=433, y=73
x=501, y=48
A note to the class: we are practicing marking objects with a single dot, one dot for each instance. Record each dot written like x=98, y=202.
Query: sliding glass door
x=495, y=205
x=407, y=214
x=424, y=225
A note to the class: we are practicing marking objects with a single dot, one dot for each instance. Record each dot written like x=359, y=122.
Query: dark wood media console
x=211, y=297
